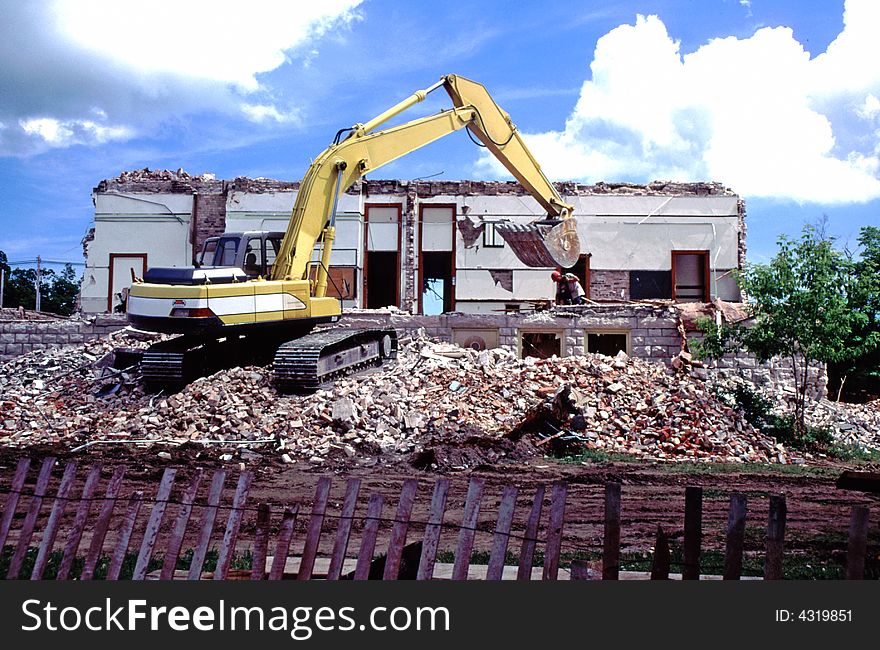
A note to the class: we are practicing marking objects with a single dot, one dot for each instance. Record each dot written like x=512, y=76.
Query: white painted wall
x=155, y=224
x=621, y=233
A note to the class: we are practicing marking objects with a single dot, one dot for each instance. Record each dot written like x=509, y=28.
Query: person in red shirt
x=568, y=289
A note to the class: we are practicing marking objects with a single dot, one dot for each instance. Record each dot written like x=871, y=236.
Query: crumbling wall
x=23, y=336
x=209, y=218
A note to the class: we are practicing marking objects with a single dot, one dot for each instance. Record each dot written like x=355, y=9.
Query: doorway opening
x=437, y=282
x=380, y=281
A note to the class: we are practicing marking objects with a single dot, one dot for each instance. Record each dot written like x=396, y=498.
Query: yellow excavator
x=228, y=317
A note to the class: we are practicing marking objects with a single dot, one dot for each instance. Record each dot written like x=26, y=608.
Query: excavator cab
x=253, y=252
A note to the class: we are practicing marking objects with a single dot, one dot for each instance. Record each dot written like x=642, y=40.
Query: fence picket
x=282, y=546
x=12, y=498
x=736, y=530
x=343, y=529
x=468, y=529
x=530, y=537
x=102, y=522
x=775, y=538
x=693, y=532
x=857, y=543
x=432, y=530
x=209, y=516
x=79, y=523
x=554, y=531
x=399, y=530
x=30, y=519
x=51, y=530
x=227, y=548
x=261, y=542
x=163, y=494
x=368, y=540
x=611, y=538
x=498, y=555
x=125, y=531
x=176, y=540
x=313, y=535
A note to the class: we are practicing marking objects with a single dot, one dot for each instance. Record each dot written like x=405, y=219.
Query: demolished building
x=428, y=252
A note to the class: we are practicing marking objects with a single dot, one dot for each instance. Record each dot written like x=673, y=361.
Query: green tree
x=864, y=299
x=801, y=309
x=58, y=291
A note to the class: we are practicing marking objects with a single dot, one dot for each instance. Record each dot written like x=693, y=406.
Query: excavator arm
x=554, y=241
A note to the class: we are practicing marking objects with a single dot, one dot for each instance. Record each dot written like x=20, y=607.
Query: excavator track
x=303, y=364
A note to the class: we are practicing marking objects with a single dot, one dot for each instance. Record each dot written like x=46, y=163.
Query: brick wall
x=22, y=337
x=210, y=217
x=609, y=285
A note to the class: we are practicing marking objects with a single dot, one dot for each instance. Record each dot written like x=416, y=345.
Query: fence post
x=857, y=544
x=530, y=537
x=102, y=523
x=163, y=494
x=775, y=538
x=432, y=530
x=368, y=540
x=398, y=531
x=661, y=561
x=209, y=516
x=261, y=542
x=554, y=531
x=233, y=523
x=313, y=535
x=176, y=539
x=30, y=520
x=693, y=532
x=495, y=570
x=611, y=545
x=51, y=530
x=736, y=530
x=282, y=546
x=12, y=498
x=79, y=523
x=343, y=528
x=125, y=531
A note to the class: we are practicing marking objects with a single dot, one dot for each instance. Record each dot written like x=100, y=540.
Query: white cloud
x=756, y=114
x=219, y=40
x=266, y=112
x=88, y=71
x=63, y=134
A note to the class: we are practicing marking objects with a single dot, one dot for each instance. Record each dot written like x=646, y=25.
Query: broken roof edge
x=165, y=181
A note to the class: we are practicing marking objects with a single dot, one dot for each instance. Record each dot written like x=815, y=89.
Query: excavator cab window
x=253, y=257
x=207, y=252
x=226, y=250
x=273, y=245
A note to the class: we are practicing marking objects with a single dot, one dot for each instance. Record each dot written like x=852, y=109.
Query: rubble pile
x=850, y=424
x=435, y=392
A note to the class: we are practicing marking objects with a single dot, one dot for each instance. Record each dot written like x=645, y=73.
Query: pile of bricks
x=434, y=391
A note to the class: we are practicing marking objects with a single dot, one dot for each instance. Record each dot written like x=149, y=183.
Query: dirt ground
x=652, y=495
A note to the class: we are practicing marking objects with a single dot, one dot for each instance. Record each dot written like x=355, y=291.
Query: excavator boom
x=364, y=150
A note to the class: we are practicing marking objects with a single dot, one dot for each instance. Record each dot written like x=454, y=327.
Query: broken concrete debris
x=434, y=398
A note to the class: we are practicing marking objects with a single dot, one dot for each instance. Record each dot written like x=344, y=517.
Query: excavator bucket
x=543, y=244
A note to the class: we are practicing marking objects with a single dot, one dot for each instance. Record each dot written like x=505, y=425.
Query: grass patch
x=239, y=561
x=599, y=457
x=794, y=566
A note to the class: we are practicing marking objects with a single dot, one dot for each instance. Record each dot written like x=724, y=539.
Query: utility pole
x=2, y=285
x=39, y=278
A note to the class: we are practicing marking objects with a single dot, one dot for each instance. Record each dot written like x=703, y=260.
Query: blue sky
x=779, y=100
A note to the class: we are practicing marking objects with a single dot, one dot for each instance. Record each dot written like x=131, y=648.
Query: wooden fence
x=93, y=512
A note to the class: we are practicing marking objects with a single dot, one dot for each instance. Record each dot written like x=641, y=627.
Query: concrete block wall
x=22, y=337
